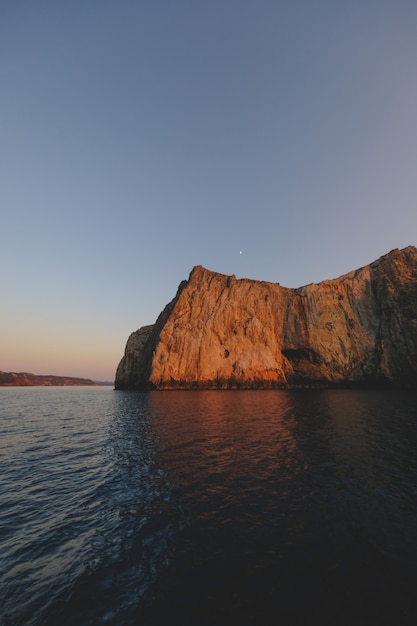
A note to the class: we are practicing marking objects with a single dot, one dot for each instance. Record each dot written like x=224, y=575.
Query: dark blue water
x=207, y=508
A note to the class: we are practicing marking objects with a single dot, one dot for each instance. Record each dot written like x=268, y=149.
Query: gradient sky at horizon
x=141, y=138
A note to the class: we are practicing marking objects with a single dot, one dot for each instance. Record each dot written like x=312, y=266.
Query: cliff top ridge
x=199, y=273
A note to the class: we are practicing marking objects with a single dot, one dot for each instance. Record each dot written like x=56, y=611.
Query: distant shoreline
x=27, y=379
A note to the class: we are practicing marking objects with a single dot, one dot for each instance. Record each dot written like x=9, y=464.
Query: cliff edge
x=220, y=332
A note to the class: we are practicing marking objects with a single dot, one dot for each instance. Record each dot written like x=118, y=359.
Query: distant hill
x=26, y=379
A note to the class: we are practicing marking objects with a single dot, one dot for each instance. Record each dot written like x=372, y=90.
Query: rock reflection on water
x=229, y=433
x=232, y=458
x=286, y=513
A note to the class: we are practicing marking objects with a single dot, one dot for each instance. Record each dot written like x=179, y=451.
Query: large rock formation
x=223, y=333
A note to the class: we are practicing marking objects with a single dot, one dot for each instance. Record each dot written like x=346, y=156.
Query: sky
x=274, y=140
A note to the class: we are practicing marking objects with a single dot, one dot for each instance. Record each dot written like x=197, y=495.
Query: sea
x=207, y=508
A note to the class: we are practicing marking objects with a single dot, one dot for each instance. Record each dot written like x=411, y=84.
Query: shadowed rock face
x=223, y=333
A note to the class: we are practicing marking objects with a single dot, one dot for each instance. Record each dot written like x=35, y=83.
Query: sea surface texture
x=207, y=508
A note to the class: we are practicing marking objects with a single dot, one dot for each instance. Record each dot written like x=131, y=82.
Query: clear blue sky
x=141, y=138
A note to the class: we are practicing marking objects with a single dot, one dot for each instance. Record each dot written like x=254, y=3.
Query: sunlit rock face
x=223, y=333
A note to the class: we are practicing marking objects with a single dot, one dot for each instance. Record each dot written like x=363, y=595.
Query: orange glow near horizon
x=60, y=355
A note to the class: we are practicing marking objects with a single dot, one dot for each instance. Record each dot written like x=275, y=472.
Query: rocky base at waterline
x=223, y=333
x=26, y=379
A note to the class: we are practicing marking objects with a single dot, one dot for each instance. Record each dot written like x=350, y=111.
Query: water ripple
x=207, y=507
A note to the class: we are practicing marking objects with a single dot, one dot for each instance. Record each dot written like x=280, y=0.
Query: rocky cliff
x=223, y=333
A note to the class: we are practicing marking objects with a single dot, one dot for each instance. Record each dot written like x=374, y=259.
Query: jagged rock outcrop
x=223, y=333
